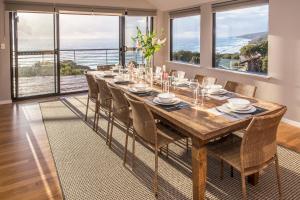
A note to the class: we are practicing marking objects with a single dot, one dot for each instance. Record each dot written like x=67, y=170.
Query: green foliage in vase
x=149, y=43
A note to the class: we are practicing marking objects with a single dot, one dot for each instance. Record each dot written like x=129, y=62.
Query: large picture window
x=185, y=42
x=241, y=39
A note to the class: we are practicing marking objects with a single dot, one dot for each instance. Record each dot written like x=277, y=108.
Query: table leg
x=199, y=169
x=253, y=179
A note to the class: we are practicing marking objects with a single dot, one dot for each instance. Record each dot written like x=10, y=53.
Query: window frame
x=214, y=66
x=171, y=41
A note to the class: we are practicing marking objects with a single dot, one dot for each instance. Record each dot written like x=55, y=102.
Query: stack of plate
x=166, y=99
x=239, y=105
x=216, y=90
x=108, y=74
x=139, y=88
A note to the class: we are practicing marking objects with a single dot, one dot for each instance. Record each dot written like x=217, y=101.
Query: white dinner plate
x=238, y=109
x=134, y=90
x=225, y=108
x=220, y=92
x=173, y=102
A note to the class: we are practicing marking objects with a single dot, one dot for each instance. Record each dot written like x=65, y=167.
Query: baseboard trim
x=291, y=122
x=6, y=102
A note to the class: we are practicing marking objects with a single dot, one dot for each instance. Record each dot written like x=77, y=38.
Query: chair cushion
x=228, y=149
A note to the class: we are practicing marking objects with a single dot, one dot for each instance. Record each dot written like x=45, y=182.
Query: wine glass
x=194, y=85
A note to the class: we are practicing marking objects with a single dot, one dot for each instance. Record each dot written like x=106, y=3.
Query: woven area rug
x=88, y=169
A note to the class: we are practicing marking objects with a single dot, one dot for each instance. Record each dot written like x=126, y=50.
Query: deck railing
x=85, y=57
x=36, y=68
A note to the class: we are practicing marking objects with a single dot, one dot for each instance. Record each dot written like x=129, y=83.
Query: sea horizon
x=223, y=45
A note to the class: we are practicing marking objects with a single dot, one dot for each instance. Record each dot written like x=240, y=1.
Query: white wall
x=283, y=86
x=4, y=58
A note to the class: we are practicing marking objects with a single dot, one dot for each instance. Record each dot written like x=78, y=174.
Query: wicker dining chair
x=121, y=113
x=92, y=95
x=243, y=89
x=255, y=151
x=105, y=103
x=154, y=135
x=209, y=80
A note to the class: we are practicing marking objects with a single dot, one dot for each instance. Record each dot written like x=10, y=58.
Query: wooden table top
x=197, y=121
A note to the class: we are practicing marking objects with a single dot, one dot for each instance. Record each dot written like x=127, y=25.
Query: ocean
x=93, y=57
x=223, y=45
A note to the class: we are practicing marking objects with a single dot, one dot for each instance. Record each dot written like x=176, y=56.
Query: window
x=185, y=39
x=131, y=24
x=241, y=39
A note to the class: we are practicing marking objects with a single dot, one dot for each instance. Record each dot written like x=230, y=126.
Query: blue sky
x=106, y=29
x=242, y=21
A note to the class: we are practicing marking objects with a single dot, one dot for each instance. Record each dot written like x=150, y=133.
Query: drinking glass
x=166, y=86
x=204, y=90
x=194, y=85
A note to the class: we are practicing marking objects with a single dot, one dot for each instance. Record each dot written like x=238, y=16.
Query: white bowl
x=166, y=97
x=108, y=72
x=214, y=88
x=119, y=78
x=140, y=87
x=238, y=103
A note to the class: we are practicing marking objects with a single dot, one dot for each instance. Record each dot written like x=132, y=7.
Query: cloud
x=242, y=21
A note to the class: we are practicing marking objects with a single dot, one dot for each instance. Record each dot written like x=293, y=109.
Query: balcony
x=37, y=74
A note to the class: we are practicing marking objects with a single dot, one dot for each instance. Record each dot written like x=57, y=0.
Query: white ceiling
x=175, y=4
x=164, y=5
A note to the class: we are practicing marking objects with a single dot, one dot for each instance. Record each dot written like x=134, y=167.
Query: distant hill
x=255, y=37
x=252, y=36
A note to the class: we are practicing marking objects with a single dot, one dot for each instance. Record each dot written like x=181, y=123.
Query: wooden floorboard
x=27, y=169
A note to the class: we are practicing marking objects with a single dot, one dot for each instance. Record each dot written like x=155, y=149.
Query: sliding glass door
x=85, y=42
x=51, y=51
x=34, y=54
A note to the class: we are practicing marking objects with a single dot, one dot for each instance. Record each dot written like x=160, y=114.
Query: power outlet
x=2, y=46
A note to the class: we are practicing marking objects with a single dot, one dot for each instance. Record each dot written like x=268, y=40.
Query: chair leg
x=278, y=176
x=222, y=170
x=109, y=125
x=111, y=131
x=187, y=144
x=133, y=149
x=97, y=121
x=167, y=151
x=155, y=181
x=87, y=108
x=244, y=189
x=231, y=171
x=95, y=116
x=126, y=143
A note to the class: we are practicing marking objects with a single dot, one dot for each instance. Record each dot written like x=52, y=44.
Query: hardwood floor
x=289, y=136
x=27, y=169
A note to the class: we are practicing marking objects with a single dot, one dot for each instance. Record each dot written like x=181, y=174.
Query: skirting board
x=5, y=102
x=291, y=122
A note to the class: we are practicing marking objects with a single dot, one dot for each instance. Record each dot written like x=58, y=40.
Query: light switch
x=2, y=46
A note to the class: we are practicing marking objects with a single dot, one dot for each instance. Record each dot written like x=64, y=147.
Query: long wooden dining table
x=200, y=124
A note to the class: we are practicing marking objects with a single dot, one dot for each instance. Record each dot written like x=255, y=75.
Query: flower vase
x=149, y=72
